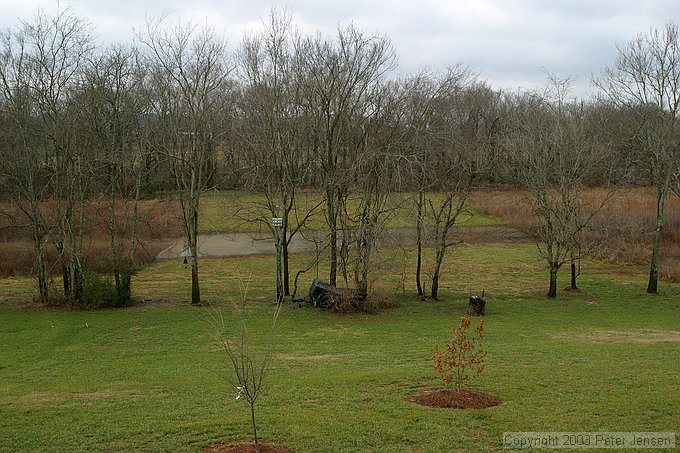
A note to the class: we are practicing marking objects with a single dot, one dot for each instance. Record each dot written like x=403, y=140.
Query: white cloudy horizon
x=508, y=43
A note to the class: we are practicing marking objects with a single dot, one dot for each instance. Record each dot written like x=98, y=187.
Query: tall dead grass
x=19, y=258
x=623, y=228
x=158, y=224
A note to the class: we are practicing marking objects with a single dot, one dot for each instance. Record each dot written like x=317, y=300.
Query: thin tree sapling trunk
x=419, y=242
x=652, y=286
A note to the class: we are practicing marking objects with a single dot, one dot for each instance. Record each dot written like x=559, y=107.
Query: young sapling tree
x=248, y=362
x=461, y=355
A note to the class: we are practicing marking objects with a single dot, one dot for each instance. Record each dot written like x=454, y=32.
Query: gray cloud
x=508, y=42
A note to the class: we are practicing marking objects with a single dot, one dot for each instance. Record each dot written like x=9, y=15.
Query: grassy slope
x=146, y=379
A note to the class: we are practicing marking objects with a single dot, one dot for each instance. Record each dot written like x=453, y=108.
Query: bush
x=461, y=355
x=98, y=291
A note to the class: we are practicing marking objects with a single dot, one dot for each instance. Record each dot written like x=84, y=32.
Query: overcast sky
x=509, y=43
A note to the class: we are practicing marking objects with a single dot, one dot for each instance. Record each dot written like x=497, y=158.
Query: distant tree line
x=176, y=112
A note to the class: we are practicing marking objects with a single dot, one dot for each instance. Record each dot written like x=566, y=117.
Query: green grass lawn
x=147, y=378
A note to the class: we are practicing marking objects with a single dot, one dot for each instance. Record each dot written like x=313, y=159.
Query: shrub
x=98, y=291
x=461, y=355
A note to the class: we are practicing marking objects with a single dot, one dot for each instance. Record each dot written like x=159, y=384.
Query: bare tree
x=190, y=83
x=465, y=125
x=271, y=130
x=43, y=64
x=423, y=93
x=645, y=80
x=337, y=79
x=375, y=177
x=23, y=163
x=550, y=154
x=249, y=365
x=116, y=102
x=450, y=119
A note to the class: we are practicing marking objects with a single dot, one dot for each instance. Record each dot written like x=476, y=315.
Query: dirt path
x=243, y=244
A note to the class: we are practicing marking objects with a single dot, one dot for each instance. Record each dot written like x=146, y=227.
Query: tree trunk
x=439, y=259
x=42, y=270
x=435, y=286
x=364, y=250
x=75, y=270
x=419, y=242
x=284, y=251
x=279, y=284
x=574, y=274
x=135, y=221
x=333, y=274
x=252, y=419
x=112, y=235
x=552, y=291
x=333, y=237
x=65, y=277
x=192, y=229
x=652, y=286
x=79, y=233
x=195, y=290
x=193, y=248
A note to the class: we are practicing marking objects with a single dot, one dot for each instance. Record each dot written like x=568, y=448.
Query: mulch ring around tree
x=244, y=446
x=457, y=399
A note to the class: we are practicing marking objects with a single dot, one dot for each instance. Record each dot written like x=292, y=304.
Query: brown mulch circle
x=457, y=399
x=244, y=446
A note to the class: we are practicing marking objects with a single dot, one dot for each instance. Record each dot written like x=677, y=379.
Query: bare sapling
x=461, y=355
x=248, y=359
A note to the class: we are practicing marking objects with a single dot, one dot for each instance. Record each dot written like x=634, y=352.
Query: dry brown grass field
x=158, y=223
x=623, y=228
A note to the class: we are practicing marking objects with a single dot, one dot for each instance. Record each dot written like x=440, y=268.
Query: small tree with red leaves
x=462, y=355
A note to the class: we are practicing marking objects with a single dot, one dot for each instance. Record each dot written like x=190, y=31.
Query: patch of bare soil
x=244, y=446
x=457, y=399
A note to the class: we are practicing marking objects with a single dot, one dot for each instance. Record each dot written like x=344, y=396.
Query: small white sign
x=277, y=221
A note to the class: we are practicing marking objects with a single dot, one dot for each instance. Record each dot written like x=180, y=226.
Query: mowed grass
x=240, y=211
x=148, y=378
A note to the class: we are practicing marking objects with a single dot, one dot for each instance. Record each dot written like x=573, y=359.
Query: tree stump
x=477, y=306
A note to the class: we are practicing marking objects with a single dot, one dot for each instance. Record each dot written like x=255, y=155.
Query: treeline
x=177, y=112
